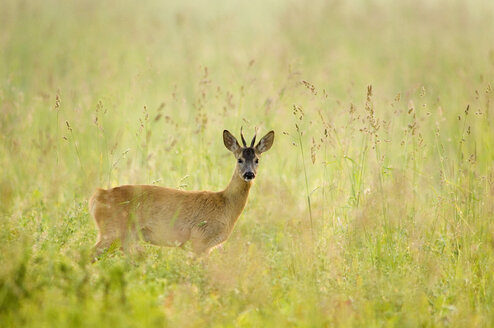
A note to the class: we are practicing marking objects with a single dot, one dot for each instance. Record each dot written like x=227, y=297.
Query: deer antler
x=242, y=136
x=253, y=139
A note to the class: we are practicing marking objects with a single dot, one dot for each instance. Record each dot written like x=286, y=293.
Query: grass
x=374, y=208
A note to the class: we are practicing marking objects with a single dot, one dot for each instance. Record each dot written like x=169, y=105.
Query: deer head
x=247, y=156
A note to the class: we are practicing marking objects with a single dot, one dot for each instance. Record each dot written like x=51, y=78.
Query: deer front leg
x=206, y=239
x=200, y=247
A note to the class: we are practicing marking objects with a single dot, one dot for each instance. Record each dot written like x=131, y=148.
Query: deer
x=171, y=217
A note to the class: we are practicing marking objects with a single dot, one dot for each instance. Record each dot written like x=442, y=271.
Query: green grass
x=374, y=207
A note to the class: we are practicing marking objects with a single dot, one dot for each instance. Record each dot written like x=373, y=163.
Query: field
x=375, y=206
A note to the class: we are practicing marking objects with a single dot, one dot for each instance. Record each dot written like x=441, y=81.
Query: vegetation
x=374, y=207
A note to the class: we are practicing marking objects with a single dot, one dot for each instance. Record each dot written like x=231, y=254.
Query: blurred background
x=374, y=206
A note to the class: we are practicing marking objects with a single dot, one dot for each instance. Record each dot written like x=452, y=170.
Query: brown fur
x=167, y=217
x=170, y=217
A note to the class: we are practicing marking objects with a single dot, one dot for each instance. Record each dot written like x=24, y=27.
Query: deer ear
x=230, y=141
x=265, y=143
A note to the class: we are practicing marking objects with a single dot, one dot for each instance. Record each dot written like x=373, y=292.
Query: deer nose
x=249, y=175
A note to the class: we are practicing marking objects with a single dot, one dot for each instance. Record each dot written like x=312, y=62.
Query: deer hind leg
x=130, y=242
x=111, y=228
x=108, y=234
x=102, y=244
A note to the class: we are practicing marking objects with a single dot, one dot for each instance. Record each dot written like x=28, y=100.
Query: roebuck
x=170, y=217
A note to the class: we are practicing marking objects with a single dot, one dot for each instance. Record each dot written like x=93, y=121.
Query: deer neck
x=236, y=194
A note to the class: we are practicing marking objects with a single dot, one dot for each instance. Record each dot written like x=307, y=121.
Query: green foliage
x=374, y=207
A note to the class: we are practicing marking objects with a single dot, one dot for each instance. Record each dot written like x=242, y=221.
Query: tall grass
x=374, y=209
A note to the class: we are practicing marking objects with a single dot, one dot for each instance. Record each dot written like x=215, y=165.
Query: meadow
x=374, y=208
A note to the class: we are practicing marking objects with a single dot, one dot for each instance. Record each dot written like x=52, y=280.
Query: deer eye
x=240, y=161
x=257, y=161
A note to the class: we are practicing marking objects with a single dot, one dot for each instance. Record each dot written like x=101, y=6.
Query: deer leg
x=108, y=234
x=101, y=245
x=110, y=226
x=200, y=247
x=130, y=244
